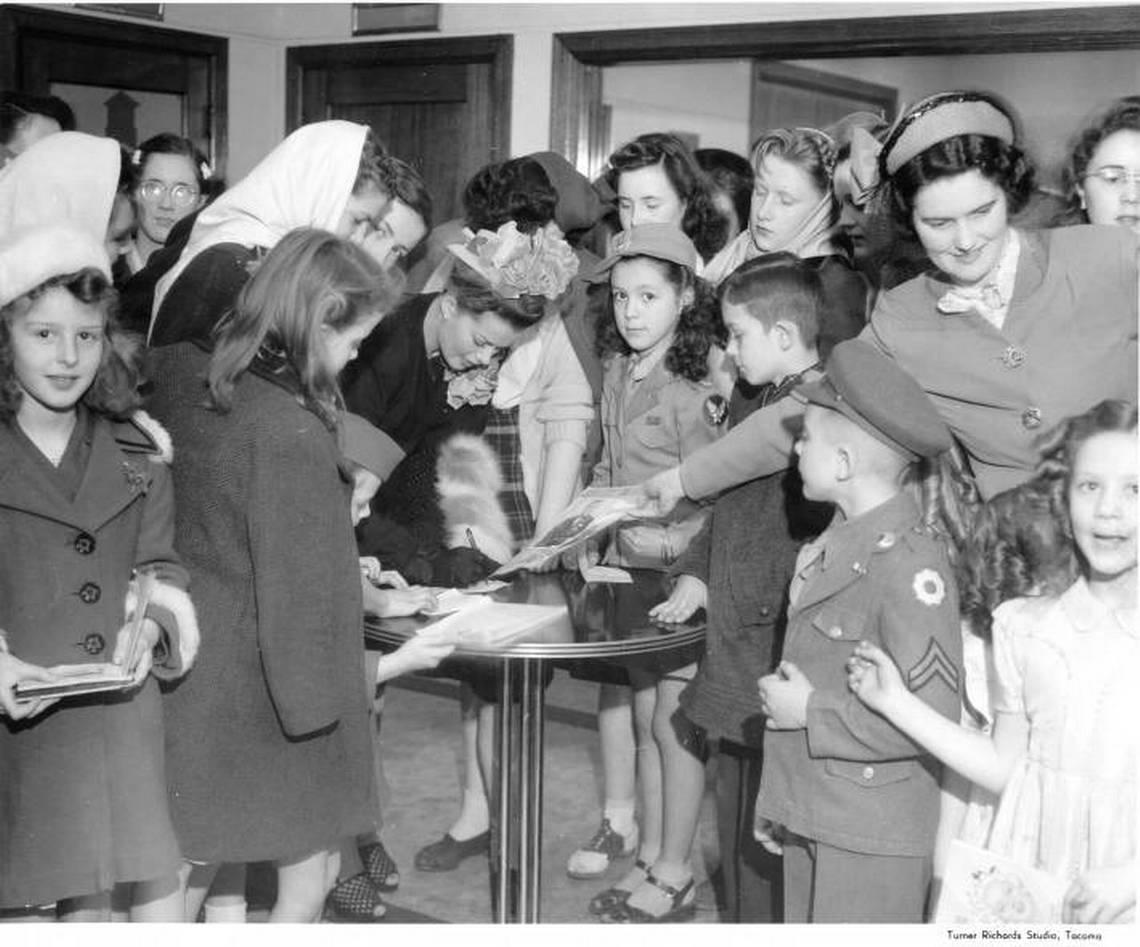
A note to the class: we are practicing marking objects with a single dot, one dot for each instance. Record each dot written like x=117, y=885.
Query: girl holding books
x=85, y=502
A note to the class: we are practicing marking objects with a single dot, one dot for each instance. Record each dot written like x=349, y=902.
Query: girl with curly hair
x=657, y=407
x=1063, y=751
x=86, y=511
x=657, y=180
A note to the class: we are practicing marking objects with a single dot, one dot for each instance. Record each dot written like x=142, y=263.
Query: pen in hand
x=471, y=539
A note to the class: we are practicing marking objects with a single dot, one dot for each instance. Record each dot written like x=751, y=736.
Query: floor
x=422, y=760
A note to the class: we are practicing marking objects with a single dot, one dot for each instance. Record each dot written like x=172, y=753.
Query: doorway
x=441, y=105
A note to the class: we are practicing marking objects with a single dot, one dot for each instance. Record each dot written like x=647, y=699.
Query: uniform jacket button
x=868, y=772
x=84, y=544
x=834, y=632
x=89, y=593
x=1031, y=418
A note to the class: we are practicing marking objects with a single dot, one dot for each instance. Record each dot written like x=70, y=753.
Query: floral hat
x=519, y=264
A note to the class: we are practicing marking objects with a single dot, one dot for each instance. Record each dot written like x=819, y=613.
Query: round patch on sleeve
x=716, y=409
x=929, y=587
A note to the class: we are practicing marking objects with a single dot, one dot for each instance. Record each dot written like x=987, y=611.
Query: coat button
x=868, y=772
x=765, y=611
x=89, y=593
x=84, y=544
x=1031, y=418
x=94, y=643
x=834, y=632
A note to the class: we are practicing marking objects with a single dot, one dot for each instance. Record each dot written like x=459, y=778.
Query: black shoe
x=448, y=852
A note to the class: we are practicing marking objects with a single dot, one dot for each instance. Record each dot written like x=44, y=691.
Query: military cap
x=661, y=241
x=872, y=390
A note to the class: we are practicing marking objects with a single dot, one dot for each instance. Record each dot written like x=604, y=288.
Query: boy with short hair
x=852, y=800
x=738, y=567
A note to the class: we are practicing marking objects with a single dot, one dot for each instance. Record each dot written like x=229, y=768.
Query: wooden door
x=787, y=96
x=441, y=105
x=40, y=49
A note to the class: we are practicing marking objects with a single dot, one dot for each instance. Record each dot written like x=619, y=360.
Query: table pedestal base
x=517, y=853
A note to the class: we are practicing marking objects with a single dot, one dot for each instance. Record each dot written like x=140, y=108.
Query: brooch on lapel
x=715, y=409
x=1012, y=357
x=136, y=479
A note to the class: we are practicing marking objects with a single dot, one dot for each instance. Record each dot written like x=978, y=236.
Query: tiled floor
x=422, y=762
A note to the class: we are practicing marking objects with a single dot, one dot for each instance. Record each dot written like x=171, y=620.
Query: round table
x=603, y=625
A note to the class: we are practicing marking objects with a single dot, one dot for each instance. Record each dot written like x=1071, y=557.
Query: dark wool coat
x=204, y=292
x=745, y=554
x=82, y=786
x=268, y=751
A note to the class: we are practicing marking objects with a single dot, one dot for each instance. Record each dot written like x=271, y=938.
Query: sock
x=620, y=814
x=474, y=819
x=225, y=910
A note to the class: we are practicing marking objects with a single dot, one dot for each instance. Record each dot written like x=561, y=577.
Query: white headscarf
x=68, y=177
x=305, y=181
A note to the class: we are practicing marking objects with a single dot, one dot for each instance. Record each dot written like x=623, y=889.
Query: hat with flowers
x=518, y=264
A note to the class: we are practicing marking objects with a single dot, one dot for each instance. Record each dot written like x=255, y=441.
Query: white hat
x=32, y=256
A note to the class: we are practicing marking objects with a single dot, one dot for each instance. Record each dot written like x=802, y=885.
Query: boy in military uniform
x=851, y=802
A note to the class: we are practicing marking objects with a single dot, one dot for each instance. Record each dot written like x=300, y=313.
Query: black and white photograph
x=570, y=463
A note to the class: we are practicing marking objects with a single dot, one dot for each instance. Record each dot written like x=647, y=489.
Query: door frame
x=496, y=50
x=579, y=57
x=19, y=25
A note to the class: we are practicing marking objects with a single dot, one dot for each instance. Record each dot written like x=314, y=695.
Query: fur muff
x=469, y=480
x=178, y=603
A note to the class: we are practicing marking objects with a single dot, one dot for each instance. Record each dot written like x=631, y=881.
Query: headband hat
x=939, y=117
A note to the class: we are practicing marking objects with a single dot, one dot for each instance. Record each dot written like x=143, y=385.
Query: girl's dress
x=82, y=786
x=1070, y=665
x=268, y=752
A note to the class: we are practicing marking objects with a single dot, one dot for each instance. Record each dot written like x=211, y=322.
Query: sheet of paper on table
x=593, y=511
x=983, y=887
x=485, y=623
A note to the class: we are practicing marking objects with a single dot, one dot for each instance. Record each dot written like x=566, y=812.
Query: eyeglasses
x=181, y=195
x=1115, y=176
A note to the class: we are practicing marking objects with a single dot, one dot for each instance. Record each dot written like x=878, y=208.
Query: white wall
x=709, y=99
x=259, y=34
x=1054, y=93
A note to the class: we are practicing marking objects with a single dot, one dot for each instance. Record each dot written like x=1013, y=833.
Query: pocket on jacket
x=870, y=775
x=839, y=624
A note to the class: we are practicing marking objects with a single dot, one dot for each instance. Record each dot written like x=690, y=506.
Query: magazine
x=984, y=887
x=593, y=511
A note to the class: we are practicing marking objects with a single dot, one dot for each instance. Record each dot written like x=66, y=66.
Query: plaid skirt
x=502, y=434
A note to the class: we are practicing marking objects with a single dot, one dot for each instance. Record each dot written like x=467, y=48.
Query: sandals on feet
x=605, y=901
x=355, y=899
x=682, y=906
x=380, y=867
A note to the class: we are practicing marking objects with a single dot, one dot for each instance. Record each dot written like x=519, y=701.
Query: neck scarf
x=812, y=238
x=990, y=298
x=305, y=181
x=68, y=177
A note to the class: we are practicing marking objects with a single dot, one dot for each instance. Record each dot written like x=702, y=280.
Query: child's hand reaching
x=874, y=677
x=689, y=594
x=138, y=662
x=784, y=697
x=396, y=603
x=13, y=671
x=662, y=491
x=769, y=834
x=1101, y=896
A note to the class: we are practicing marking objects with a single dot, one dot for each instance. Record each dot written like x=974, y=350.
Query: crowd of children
x=907, y=507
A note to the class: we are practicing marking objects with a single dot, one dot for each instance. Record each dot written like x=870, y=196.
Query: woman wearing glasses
x=173, y=182
x=1103, y=173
